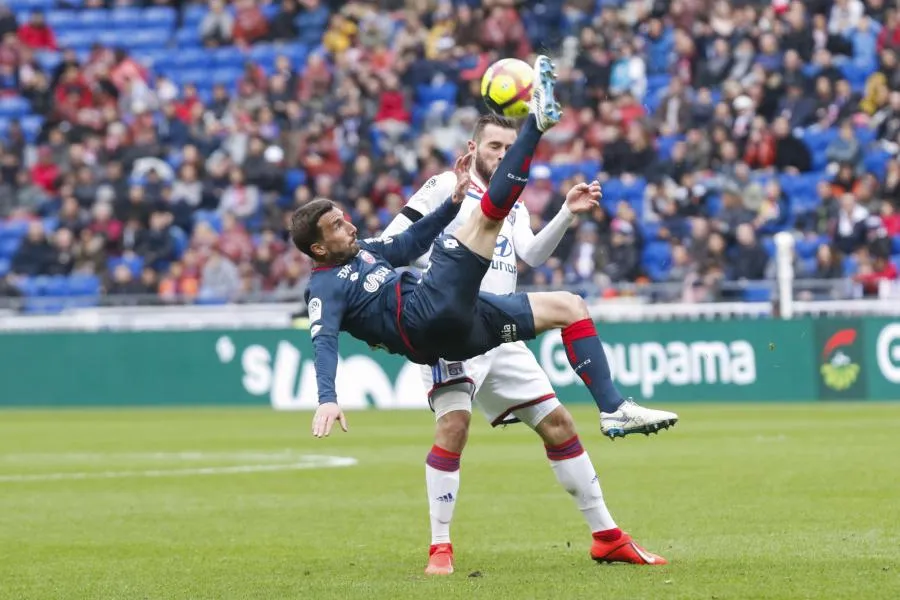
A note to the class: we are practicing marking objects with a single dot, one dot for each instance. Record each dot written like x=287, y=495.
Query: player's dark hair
x=491, y=119
x=305, y=224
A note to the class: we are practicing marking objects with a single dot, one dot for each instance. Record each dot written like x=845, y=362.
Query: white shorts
x=508, y=384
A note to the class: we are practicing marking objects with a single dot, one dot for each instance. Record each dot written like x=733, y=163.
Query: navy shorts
x=447, y=316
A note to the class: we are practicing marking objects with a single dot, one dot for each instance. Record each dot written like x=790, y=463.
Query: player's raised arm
x=536, y=249
x=326, y=307
x=424, y=202
x=409, y=245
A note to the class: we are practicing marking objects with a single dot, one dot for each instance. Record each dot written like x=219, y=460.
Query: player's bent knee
x=576, y=307
x=557, y=427
x=453, y=429
x=555, y=310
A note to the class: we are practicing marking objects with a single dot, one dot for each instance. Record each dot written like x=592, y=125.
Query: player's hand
x=463, y=178
x=584, y=197
x=326, y=415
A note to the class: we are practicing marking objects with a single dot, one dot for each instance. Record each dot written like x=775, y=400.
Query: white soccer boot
x=544, y=106
x=634, y=418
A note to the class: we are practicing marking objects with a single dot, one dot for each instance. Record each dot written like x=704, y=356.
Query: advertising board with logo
x=710, y=361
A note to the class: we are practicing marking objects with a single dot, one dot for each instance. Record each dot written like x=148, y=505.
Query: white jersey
x=501, y=277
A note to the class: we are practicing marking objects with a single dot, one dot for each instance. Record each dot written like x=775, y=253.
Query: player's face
x=490, y=149
x=338, y=238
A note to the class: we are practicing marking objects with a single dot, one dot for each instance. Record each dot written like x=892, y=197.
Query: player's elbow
x=526, y=257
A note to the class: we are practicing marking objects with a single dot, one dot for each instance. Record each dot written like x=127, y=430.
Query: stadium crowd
x=158, y=148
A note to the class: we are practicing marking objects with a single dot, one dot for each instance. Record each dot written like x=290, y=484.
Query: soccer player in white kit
x=508, y=383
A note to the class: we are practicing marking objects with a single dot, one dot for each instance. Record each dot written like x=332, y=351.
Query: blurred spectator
x=828, y=263
x=850, y=231
x=217, y=26
x=36, y=33
x=750, y=257
x=35, y=255
x=220, y=279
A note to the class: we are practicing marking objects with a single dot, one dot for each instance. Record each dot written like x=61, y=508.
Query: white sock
x=442, y=486
x=575, y=473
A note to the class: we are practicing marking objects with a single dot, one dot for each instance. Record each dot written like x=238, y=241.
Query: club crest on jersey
x=367, y=257
x=511, y=217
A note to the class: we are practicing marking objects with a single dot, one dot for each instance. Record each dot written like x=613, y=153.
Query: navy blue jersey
x=362, y=296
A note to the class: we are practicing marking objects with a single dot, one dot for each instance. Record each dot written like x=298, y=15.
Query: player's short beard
x=343, y=257
x=482, y=169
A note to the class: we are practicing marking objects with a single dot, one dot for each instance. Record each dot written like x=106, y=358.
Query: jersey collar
x=476, y=183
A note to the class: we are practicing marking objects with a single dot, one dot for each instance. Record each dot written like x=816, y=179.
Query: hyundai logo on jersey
x=503, y=248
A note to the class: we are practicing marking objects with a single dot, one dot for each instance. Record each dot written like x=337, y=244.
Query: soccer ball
x=506, y=87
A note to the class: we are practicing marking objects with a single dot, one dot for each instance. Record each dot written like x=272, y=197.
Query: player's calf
x=584, y=350
x=566, y=311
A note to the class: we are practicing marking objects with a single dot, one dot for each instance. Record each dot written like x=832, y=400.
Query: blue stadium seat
x=757, y=292
x=665, y=144
x=293, y=179
x=590, y=168
x=875, y=162
x=147, y=38
x=159, y=16
x=84, y=285
x=229, y=58
x=14, y=107
x=56, y=286
x=125, y=18
x=4, y=266
x=657, y=258
x=9, y=246
x=181, y=240
x=188, y=37
x=94, y=20
x=62, y=20
x=78, y=40
x=427, y=94
x=895, y=244
x=806, y=248
x=650, y=230
x=13, y=229
x=196, y=58
x=851, y=265
x=48, y=59
x=193, y=14
x=134, y=263
x=264, y=54
x=209, y=216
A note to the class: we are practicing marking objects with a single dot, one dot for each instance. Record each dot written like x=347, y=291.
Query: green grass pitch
x=750, y=501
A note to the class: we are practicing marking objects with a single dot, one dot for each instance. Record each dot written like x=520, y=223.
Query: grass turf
x=746, y=501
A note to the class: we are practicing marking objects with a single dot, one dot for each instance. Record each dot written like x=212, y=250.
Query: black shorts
x=447, y=316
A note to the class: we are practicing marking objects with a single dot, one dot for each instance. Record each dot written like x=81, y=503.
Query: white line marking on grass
x=299, y=463
x=167, y=457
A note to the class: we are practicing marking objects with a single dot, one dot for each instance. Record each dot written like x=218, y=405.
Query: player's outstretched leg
x=576, y=474
x=584, y=350
x=479, y=233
